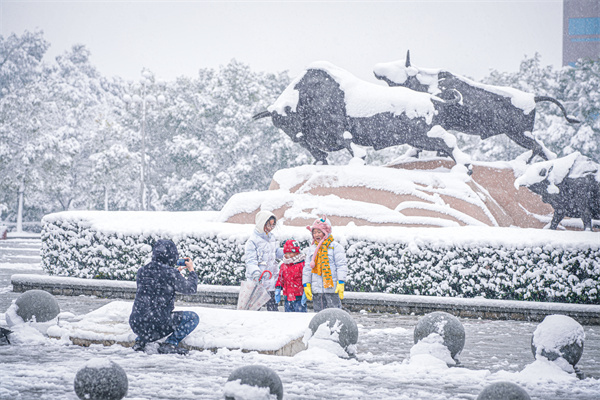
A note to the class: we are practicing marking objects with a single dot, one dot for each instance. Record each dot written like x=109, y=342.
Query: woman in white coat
x=263, y=254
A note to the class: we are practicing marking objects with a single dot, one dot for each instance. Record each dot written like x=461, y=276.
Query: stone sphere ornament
x=256, y=376
x=37, y=305
x=558, y=336
x=503, y=391
x=447, y=326
x=101, y=379
x=348, y=330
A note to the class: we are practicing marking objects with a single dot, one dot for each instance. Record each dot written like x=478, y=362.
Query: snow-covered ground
x=37, y=367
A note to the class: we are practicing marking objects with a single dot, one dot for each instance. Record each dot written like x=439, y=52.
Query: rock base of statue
x=411, y=193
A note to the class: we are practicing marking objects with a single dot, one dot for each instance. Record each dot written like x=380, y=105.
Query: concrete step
x=353, y=301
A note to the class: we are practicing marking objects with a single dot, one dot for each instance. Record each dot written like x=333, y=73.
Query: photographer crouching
x=152, y=316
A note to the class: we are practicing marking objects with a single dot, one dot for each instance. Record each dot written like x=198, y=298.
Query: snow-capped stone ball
x=101, y=379
x=37, y=305
x=253, y=382
x=558, y=336
x=503, y=391
x=346, y=326
x=447, y=326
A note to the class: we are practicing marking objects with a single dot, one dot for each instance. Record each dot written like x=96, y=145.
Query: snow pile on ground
x=45, y=367
x=540, y=372
x=218, y=328
x=326, y=338
x=14, y=321
x=432, y=345
x=236, y=390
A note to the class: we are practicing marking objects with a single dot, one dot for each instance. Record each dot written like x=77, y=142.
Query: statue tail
x=537, y=99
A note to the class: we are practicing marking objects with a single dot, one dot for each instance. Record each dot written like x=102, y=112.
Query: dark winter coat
x=157, y=283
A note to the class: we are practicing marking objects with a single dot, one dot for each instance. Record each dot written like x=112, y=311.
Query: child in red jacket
x=290, y=278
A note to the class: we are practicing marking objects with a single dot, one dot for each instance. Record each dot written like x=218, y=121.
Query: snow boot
x=139, y=346
x=168, y=348
x=4, y=336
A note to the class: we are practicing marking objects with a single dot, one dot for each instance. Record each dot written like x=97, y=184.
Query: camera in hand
x=181, y=262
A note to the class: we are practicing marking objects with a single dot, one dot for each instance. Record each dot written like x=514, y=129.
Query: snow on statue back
x=570, y=184
x=35, y=306
x=503, y=391
x=559, y=338
x=485, y=110
x=253, y=382
x=436, y=331
x=101, y=379
x=334, y=330
x=327, y=109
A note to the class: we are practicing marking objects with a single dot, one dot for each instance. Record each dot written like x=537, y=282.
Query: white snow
x=219, y=328
x=296, y=186
x=176, y=225
x=98, y=363
x=326, y=338
x=427, y=301
x=362, y=98
x=397, y=72
x=235, y=389
x=574, y=166
x=432, y=345
x=309, y=374
x=557, y=331
x=22, y=266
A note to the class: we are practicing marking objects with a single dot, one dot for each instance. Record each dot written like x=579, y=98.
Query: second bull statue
x=485, y=110
x=327, y=109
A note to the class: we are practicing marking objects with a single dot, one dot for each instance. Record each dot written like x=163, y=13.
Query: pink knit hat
x=323, y=224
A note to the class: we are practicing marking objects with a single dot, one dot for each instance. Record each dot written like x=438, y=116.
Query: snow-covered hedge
x=541, y=273
x=497, y=263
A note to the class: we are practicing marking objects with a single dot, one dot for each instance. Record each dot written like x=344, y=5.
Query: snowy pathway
x=36, y=367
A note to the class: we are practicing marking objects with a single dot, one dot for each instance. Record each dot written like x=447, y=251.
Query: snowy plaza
x=38, y=367
x=300, y=200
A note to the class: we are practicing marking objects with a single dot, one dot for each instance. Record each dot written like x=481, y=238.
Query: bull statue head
x=570, y=184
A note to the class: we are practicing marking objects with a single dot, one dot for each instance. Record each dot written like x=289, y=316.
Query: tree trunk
x=105, y=198
x=20, y=207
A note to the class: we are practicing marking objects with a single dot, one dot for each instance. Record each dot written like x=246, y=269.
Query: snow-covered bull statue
x=570, y=184
x=485, y=110
x=327, y=109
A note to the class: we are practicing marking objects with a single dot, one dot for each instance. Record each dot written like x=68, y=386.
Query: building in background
x=581, y=30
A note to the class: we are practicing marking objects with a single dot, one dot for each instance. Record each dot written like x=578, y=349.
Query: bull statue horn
x=457, y=97
x=262, y=114
x=407, y=58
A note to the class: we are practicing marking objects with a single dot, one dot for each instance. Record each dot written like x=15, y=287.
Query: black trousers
x=322, y=301
x=271, y=305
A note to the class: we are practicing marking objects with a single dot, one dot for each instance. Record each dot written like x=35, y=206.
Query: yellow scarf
x=322, y=267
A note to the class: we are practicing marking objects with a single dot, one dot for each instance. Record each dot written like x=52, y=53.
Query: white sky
x=180, y=37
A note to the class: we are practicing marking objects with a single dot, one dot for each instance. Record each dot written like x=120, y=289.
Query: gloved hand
x=339, y=289
x=277, y=295
x=254, y=276
x=308, y=291
x=303, y=301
